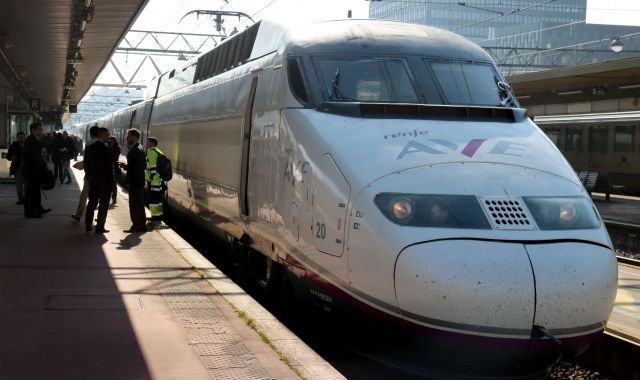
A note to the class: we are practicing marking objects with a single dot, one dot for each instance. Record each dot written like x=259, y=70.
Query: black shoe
x=34, y=215
x=88, y=228
x=19, y=202
x=75, y=216
x=68, y=182
x=101, y=231
x=44, y=210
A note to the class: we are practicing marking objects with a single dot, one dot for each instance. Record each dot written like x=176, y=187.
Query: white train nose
x=467, y=286
x=576, y=285
x=476, y=300
x=487, y=296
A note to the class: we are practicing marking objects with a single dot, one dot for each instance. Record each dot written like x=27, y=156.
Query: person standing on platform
x=67, y=152
x=46, y=143
x=82, y=202
x=77, y=144
x=15, y=156
x=98, y=167
x=155, y=184
x=135, y=167
x=57, y=143
x=114, y=146
x=33, y=168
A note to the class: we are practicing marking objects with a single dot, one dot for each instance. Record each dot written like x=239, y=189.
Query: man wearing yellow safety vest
x=155, y=184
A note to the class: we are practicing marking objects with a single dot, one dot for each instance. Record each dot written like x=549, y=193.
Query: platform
x=620, y=208
x=76, y=305
x=625, y=318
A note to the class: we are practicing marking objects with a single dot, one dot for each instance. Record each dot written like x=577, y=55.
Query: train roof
x=365, y=37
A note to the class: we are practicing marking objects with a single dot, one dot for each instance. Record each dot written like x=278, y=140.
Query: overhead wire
x=580, y=44
x=503, y=15
x=259, y=11
x=531, y=31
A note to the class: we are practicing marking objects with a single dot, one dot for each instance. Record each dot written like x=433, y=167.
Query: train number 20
x=321, y=231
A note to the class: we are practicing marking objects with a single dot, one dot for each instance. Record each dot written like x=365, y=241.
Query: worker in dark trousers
x=135, y=167
x=33, y=168
x=98, y=167
x=155, y=184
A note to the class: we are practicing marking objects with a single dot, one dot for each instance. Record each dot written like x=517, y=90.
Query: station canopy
x=53, y=50
x=597, y=81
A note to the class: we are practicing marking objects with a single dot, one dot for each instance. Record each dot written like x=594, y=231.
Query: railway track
x=626, y=241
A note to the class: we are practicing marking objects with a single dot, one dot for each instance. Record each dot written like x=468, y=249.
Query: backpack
x=47, y=179
x=163, y=166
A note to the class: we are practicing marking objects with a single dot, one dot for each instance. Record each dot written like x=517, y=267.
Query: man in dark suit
x=135, y=167
x=98, y=168
x=33, y=167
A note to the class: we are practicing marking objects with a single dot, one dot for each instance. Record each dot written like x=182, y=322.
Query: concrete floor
x=76, y=305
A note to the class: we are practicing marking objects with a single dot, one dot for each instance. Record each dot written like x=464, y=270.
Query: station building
x=529, y=32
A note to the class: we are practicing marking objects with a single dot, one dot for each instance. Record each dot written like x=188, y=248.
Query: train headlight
x=568, y=213
x=562, y=213
x=426, y=210
x=401, y=209
x=436, y=211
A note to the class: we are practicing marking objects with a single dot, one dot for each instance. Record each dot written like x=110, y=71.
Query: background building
x=521, y=35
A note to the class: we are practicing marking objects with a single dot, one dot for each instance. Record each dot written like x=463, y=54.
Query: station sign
x=34, y=104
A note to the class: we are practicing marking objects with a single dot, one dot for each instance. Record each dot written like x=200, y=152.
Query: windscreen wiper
x=336, y=94
x=506, y=93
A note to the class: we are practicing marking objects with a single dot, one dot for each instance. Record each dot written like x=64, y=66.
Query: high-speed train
x=388, y=168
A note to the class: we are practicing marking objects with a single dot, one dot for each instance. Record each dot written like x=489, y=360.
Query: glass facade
x=499, y=27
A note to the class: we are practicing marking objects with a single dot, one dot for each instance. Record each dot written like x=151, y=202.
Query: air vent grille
x=507, y=213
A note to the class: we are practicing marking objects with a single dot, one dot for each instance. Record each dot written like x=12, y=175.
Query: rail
x=625, y=238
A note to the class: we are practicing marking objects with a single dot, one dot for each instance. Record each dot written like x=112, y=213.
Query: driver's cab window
x=366, y=80
x=470, y=83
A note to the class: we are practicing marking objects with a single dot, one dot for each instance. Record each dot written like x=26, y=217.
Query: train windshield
x=367, y=80
x=471, y=84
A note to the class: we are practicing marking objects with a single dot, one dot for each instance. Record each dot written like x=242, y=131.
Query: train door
x=264, y=145
x=246, y=143
x=146, y=120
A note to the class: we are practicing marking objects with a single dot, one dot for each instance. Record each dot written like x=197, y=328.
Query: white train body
x=500, y=236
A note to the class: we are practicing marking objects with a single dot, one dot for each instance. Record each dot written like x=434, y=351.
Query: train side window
x=623, y=139
x=554, y=136
x=598, y=140
x=573, y=141
x=296, y=80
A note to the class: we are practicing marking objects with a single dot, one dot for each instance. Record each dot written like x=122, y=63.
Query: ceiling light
x=616, y=45
x=6, y=41
x=628, y=87
x=570, y=92
x=75, y=61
